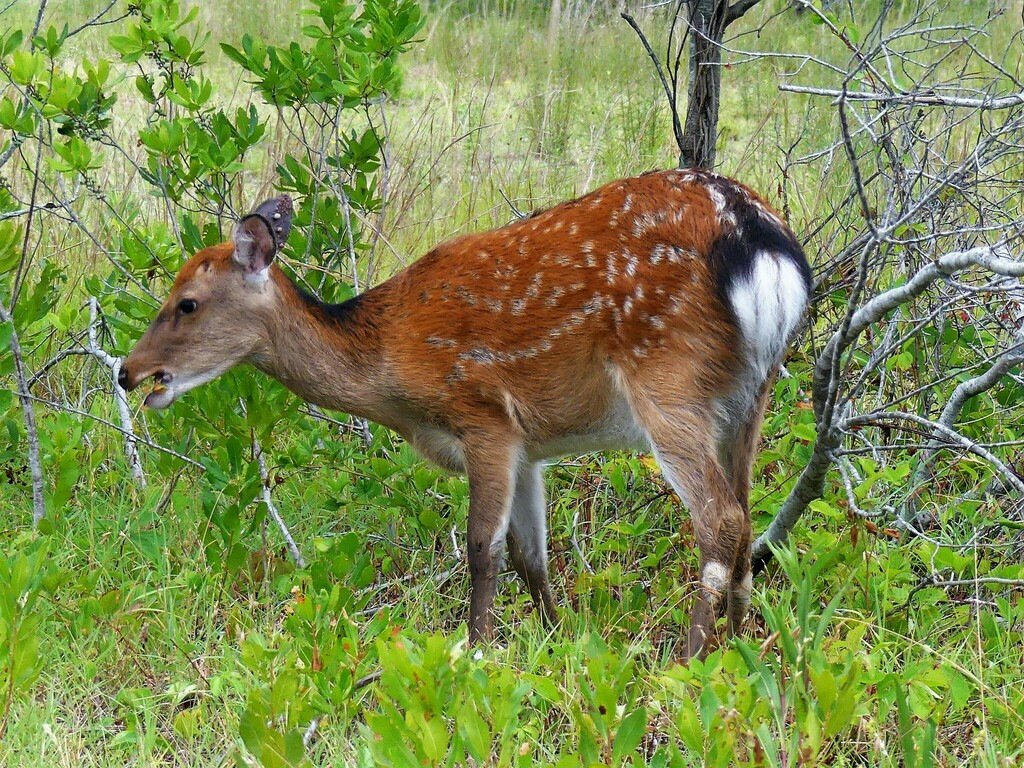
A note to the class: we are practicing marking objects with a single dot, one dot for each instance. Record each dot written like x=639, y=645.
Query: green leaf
x=12, y=42
x=435, y=739
x=629, y=734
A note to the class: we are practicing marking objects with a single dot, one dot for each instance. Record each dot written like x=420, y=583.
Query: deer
x=651, y=315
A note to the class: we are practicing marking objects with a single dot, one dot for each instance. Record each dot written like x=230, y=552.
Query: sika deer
x=650, y=314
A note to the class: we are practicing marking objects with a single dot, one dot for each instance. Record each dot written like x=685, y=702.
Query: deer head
x=215, y=317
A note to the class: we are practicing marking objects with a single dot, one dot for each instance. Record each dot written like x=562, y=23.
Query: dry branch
x=34, y=461
x=911, y=99
x=131, y=450
x=293, y=548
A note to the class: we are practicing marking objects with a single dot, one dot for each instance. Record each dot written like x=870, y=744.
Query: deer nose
x=123, y=380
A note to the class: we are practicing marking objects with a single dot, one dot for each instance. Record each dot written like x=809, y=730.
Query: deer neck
x=327, y=354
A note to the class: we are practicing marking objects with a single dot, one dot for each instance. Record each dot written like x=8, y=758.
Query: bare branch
x=737, y=9
x=929, y=99
x=131, y=451
x=677, y=127
x=810, y=484
x=100, y=420
x=950, y=434
x=34, y=462
x=293, y=548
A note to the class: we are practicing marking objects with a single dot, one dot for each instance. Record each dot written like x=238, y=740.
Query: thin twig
x=85, y=414
x=34, y=461
x=131, y=451
x=677, y=127
x=576, y=544
x=293, y=548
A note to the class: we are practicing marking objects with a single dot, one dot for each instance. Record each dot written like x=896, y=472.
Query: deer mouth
x=169, y=387
x=162, y=394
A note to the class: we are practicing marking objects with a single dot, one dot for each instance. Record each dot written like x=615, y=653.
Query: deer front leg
x=491, y=467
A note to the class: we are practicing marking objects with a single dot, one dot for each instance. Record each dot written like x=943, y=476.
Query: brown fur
x=495, y=346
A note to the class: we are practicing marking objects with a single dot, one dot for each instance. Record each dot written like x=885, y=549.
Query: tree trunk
x=708, y=19
x=554, y=23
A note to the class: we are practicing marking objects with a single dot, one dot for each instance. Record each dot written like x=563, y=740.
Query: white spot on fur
x=627, y=306
x=438, y=341
x=631, y=266
x=717, y=200
x=481, y=355
x=556, y=293
x=574, y=228
x=612, y=270
x=466, y=296
x=715, y=577
x=533, y=289
x=258, y=280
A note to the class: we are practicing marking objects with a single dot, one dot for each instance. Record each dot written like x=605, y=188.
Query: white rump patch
x=768, y=304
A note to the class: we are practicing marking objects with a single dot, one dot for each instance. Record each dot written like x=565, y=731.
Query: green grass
x=155, y=648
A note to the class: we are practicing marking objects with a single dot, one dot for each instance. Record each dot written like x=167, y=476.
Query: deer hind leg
x=737, y=446
x=682, y=439
x=491, y=466
x=527, y=539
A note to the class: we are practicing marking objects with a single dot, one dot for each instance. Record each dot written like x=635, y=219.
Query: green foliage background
x=166, y=624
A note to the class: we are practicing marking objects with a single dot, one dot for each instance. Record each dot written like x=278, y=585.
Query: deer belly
x=616, y=429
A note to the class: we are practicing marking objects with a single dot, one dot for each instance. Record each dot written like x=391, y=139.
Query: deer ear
x=260, y=235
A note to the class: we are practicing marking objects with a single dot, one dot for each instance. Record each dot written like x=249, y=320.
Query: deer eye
x=187, y=306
